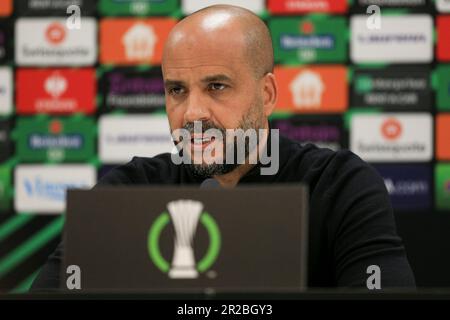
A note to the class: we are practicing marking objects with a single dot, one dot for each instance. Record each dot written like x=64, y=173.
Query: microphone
x=210, y=184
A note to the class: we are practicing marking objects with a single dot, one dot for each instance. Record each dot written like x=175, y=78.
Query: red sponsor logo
x=55, y=33
x=55, y=127
x=307, y=6
x=443, y=35
x=55, y=91
x=391, y=129
x=307, y=27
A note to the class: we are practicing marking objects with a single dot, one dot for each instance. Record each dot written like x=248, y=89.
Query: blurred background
x=81, y=92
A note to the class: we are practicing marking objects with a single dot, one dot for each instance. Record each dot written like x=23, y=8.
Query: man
x=217, y=68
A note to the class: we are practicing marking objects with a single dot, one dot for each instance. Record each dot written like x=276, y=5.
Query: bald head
x=225, y=26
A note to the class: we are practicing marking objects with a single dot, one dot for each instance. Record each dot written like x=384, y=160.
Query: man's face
x=210, y=80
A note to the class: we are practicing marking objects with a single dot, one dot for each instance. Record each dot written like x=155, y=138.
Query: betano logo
x=185, y=216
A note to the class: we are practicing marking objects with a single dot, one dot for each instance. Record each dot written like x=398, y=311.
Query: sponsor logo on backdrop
x=442, y=186
x=6, y=144
x=401, y=39
x=392, y=89
x=308, y=39
x=6, y=34
x=56, y=91
x=324, y=132
x=122, y=137
x=409, y=4
x=185, y=215
x=133, y=90
x=392, y=137
x=443, y=88
x=409, y=186
x=6, y=91
x=141, y=7
x=52, y=7
x=307, y=90
x=139, y=42
x=190, y=6
x=443, y=137
x=5, y=8
x=47, y=42
x=307, y=6
x=55, y=33
x=133, y=41
x=391, y=129
x=55, y=139
x=443, y=36
x=42, y=188
x=314, y=89
x=5, y=186
x=443, y=5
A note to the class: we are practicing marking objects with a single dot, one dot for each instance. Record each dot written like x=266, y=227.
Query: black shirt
x=351, y=219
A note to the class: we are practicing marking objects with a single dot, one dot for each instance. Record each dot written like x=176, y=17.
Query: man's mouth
x=202, y=141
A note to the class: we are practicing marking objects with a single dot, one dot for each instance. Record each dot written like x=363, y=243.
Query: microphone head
x=210, y=184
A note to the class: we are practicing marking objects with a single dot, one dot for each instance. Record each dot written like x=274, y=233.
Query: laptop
x=188, y=240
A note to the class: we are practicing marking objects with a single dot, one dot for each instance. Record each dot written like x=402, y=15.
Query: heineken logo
x=185, y=216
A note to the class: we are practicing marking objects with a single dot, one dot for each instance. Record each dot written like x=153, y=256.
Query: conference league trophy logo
x=185, y=216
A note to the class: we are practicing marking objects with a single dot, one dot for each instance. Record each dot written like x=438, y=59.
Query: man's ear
x=270, y=93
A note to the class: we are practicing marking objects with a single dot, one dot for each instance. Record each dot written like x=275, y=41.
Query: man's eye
x=176, y=91
x=217, y=86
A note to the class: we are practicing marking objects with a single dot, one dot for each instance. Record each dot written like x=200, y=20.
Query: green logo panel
x=5, y=188
x=442, y=187
x=55, y=139
x=137, y=7
x=205, y=263
x=443, y=91
x=309, y=40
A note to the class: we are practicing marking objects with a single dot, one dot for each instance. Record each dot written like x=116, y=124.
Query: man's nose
x=196, y=109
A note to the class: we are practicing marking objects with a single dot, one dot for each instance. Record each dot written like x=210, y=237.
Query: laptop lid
x=188, y=240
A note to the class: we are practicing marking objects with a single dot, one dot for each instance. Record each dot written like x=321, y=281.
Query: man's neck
x=231, y=179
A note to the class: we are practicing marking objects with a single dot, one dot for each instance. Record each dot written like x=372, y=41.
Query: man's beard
x=250, y=121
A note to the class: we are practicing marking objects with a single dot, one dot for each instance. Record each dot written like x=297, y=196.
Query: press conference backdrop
x=76, y=102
